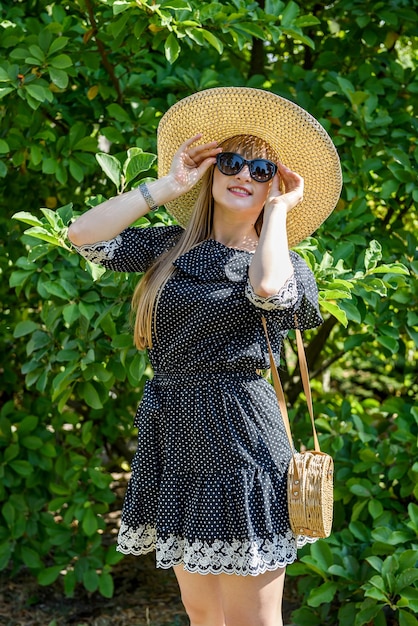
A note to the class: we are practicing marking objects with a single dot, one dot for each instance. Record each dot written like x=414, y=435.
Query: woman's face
x=239, y=193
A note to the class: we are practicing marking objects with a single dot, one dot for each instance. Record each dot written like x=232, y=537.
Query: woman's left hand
x=292, y=194
x=190, y=163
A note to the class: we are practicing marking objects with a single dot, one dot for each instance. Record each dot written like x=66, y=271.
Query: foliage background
x=82, y=87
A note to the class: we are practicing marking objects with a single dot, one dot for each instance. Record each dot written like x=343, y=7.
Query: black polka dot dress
x=208, y=483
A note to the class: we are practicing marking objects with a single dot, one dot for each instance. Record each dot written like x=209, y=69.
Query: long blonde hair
x=148, y=291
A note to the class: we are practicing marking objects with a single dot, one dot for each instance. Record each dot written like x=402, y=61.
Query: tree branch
x=313, y=352
x=102, y=51
x=258, y=55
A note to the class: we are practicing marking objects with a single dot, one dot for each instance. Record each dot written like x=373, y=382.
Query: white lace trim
x=286, y=297
x=101, y=250
x=237, y=557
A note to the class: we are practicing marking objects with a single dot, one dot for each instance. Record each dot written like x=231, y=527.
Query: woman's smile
x=240, y=191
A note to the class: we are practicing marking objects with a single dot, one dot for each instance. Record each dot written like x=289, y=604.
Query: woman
x=208, y=485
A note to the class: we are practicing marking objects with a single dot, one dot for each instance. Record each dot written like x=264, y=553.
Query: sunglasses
x=230, y=163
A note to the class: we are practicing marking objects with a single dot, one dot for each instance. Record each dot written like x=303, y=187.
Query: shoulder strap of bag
x=305, y=382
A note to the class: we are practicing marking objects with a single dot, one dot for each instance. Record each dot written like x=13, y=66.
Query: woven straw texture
x=311, y=499
x=298, y=140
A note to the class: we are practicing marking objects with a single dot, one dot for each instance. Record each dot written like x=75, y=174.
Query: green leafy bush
x=82, y=90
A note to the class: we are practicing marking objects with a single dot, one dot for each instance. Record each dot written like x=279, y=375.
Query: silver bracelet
x=148, y=197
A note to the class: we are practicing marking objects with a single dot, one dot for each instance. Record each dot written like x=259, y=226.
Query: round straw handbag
x=310, y=475
x=310, y=493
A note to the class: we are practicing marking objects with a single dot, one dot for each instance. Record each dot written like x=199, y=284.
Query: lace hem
x=250, y=557
x=285, y=298
x=101, y=250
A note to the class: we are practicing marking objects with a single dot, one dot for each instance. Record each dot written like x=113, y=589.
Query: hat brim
x=298, y=139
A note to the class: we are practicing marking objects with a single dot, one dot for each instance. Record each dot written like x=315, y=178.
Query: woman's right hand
x=191, y=162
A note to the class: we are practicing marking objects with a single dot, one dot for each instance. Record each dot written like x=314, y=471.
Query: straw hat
x=298, y=140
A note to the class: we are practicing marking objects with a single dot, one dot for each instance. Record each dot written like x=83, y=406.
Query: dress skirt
x=208, y=483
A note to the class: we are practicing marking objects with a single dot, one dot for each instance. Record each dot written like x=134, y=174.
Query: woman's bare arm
x=110, y=218
x=271, y=265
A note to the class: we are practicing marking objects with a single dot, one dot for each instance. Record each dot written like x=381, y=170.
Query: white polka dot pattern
x=208, y=484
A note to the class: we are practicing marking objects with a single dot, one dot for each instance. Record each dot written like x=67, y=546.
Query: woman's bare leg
x=253, y=600
x=231, y=600
x=201, y=597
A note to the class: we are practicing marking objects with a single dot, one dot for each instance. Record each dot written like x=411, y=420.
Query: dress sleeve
x=296, y=304
x=134, y=250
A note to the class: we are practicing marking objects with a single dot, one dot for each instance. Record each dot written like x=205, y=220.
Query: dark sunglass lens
x=230, y=163
x=262, y=170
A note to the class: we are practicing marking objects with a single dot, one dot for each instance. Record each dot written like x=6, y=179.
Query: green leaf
x=408, y=559
x=172, y=48
x=32, y=443
x=388, y=342
x=249, y=28
x=3, y=169
x=375, y=508
x=37, y=53
x=96, y=271
x=24, y=468
x=137, y=163
x=27, y=218
x=274, y=7
x=322, y=554
x=4, y=76
x=361, y=490
x=6, y=550
x=90, y=395
x=409, y=598
x=11, y=452
x=335, y=310
x=121, y=5
x=70, y=583
x=376, y=594
x=61, y=61
x=106, y=586
x=49, y=575
x=91, y=580
x=59, y=77
x=177, y=5
x=4, y=147
x=306, y=20
x=5, y=90
x=373, y=255
x=71, y=313
x=9, y=513
x=394, y=268
x=111, y=167
x=98, y=478
x=289, y=14
x=375, y=285
x=56, y=289
x=112, y=556
x=38, y=92
x=25, y=328
x=322, y=594
x=41, y=233
x=31, y=558
x=413, y=514
x=57, y=44
x=89, y=523
x=407, y=619
x=406, y=578
x=212, y=40
x=116, y=111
